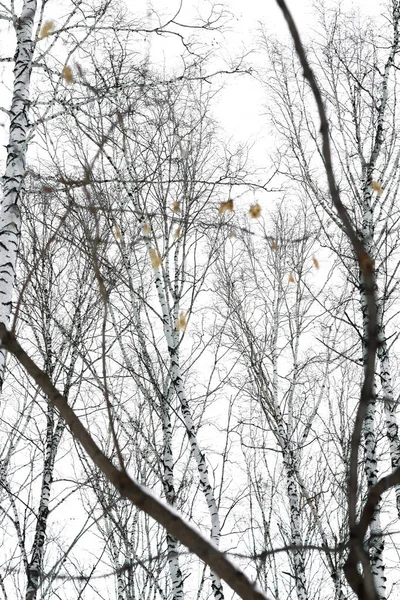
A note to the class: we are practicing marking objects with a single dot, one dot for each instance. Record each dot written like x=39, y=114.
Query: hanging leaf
x=177, y=233
x=176, y=207
x=117, y=232
x=46, y=30
x=291, y=278
x=155, y=258
x=376, y=186
x=146, y=229
x=255, y=211
x=67, y=74
x=316, y=263
x=274, y=245
x=225, y=206
x=181, y=323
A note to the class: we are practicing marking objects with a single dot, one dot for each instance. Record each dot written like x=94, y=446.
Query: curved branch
x=363, y=585
x=130, y=489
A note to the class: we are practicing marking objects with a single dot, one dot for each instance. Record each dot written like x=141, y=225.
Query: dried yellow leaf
x=255, y=211
x=117, y=232
x=316, y=263
x=46, y=30
x=181, y=323
x=274, y=245
x=291, y=278
x=146, y=229
x=155, y=258
x=225, y=206
x=67, y=74
x=376, y=186
x=176, y=207
x=177, y=233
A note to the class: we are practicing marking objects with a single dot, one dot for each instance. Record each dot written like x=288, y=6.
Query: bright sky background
x=242, y=104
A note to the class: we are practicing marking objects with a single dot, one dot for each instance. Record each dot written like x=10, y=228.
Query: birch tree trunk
x=368, y=238
x=172, y=340
x=169, y=491
x=13, y=179
x=34, y=568
x=159, y=399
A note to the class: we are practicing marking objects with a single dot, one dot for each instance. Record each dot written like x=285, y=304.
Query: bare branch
x=128, y=488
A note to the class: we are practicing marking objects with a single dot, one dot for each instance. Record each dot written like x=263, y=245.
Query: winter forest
x=199, y=347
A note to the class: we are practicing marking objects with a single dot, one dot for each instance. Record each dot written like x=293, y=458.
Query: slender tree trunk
x=122, y=593
x=389, y=402
x=169, y=490
x=54, y=431
x=376, y=541
x=290, y=457
x=13, y=180
x=172, y=338
x=290, y=463
x=200, y=461
x=295, y=522
x=165, y=400
x=34, y=568
x=285, y=438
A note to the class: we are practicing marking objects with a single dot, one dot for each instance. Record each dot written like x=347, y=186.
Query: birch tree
x=265, y=283
x=359, y=83
x=56, y=323
x=13, y=179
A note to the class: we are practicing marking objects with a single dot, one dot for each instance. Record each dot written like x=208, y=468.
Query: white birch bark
x=284, y=436
x=368, y=235
x=169, y=490
x=290, y=463
x=54, y=430
x=172, y=338
x=34, y=568
x=165, y=400
x=376, y=541
x=383, y=353
x=389, y=403
x=13, y=179
x=283, y=430
x=121, y=587
x=285, y=439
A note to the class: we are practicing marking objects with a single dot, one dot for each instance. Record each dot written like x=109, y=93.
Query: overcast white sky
x=242, y=103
